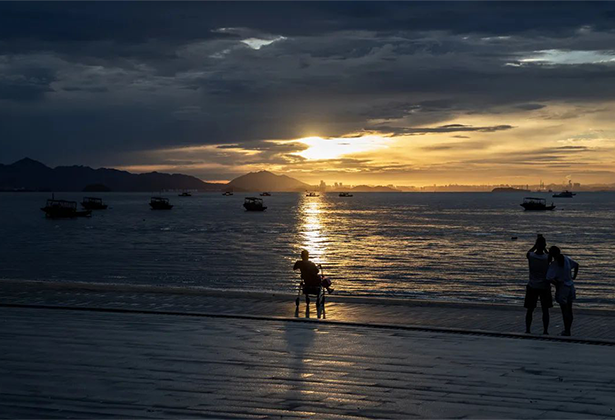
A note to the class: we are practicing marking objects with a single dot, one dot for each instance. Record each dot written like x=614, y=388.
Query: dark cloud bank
x=96, y=83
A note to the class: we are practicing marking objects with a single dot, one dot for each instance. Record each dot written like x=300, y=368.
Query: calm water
x=430, y=246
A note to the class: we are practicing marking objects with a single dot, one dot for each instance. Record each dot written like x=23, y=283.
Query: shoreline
x=419, y=328
x=278, y=296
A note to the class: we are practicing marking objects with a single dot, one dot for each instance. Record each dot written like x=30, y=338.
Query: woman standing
x=562, y=271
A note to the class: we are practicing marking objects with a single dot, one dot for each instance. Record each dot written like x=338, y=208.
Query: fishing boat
x=265, y=194
x=93, y=203
x=185, y=194
x=227, y=193
x=254, y=204
x=564, y=194
x=345, y=194
x=311, y=194
x=160, y=203
x=536, y=204
x=56, y=209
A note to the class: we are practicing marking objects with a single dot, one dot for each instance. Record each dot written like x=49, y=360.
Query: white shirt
x=562, y=274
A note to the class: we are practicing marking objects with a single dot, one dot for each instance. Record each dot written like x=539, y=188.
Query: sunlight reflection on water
x=428, y=246
x=314, y=239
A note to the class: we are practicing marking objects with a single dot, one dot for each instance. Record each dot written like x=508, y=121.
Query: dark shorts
x=532, y=295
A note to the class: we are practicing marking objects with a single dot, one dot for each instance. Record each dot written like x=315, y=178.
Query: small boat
x=160, y=203
x=265, y=194
x=536, y=204
x=311, y=194
x=254, y=204
x=227, y=193
x=93, y=203
x=56, y=209
x=345, y=194
x=185, y=194
x=564, y=194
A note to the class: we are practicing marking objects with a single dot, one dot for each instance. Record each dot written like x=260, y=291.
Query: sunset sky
x=355, y=92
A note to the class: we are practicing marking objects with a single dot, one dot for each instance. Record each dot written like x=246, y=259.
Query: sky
x=402, y=93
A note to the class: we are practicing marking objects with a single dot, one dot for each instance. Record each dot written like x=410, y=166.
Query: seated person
x=309, y=272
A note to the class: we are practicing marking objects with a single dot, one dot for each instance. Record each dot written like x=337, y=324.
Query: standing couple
x=546, y=268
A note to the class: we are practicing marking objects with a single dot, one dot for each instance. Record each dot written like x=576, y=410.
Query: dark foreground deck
x=88, y=363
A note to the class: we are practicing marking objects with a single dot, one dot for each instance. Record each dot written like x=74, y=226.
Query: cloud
x=465, y=145
x=530, y=107
x=448, y=128
x=563, y=57
x=121, y=80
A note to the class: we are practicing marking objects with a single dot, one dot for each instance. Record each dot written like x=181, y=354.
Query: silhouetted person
x=562, y=271
x=538, y=286
x=309, y=270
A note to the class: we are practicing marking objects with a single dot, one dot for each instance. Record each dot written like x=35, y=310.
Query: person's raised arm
x=532, y=249
x=296, y=266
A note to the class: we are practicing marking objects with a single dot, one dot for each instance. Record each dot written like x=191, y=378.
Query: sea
x=464, y=247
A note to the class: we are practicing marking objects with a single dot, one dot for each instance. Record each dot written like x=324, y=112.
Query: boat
x=185, y=194
x=536, y=204
x=93, y=203
x=311, y=194
x=160, y=203
x=564, y=194
x=345, y=194
x=254, y=204
x=265, y=194
x=227, y=193
x=56, y=209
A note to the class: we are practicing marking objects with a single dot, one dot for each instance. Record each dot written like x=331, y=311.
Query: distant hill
x=30, y=175
x=379, y=188
x=266, y=181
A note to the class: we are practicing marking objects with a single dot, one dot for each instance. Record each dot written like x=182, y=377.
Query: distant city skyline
x=377, y=93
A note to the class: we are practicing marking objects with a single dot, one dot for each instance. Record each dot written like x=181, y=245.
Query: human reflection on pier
x=298, y=382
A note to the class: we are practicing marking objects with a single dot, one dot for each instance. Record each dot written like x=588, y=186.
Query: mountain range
x=30, y=175
x=266, y=181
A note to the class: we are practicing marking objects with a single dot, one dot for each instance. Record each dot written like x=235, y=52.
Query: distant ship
x=160, y=203
x=311, y=194
x=345, y=194
x=265, y=194
x=254, y=204
x=536, y=204
x=564, y=194
x=58, y=209
x=185, y=194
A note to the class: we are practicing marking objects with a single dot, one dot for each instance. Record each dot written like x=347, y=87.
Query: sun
x=332, y=148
